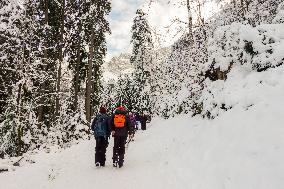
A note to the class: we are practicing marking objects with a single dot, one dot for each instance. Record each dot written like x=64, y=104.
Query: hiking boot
x=120, y=165
x=114, y=164
x=98, y=164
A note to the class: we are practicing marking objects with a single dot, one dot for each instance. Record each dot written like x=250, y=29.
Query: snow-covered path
x=241, y=149
x=178, y=153
x=152, y=161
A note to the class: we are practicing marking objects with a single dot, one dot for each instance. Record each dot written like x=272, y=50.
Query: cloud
x=161, y=13
x=121, y=18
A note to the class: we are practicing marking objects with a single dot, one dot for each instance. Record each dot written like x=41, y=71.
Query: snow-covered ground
x=243, y=148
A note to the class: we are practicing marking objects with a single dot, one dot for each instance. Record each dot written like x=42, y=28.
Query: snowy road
x=178, y=153
x=241, y=149
x=150, y=163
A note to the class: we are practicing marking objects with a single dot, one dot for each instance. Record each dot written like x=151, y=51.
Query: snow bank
x=244, y=88
x=261, y=46
x=243, y=52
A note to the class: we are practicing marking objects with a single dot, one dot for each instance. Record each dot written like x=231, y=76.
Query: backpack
x=119, y=120
x=132, y=120
x=100, y=127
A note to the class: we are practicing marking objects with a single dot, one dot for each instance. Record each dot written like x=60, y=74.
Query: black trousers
x=143, y=125
x=101, y=145
x=119, y=149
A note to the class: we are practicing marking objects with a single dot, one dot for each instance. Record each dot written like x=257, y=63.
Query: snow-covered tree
x=10, y=45
x=39, y=39
x=96, y=27
x=141, y=58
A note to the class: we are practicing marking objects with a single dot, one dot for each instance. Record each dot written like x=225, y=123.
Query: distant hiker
x=143, y=120
x=133, y=124
x=138, y=122
x=101, y=130
x=120, y=129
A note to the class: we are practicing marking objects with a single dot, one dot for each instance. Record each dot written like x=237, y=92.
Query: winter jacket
x=143, y=120
x=106, y=123
x=137, y=117
x=124, y=131
x=133, y=121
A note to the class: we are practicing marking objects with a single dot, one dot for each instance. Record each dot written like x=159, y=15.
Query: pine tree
x=20, y=106
x=75, y=49
x=141, y=58
x=61, y=56
x=125, y=88
x=37, y=35
x=49, y=40
x=96, y=26
x=10, y=45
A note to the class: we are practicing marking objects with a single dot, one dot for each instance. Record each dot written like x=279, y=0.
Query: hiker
x=143, y=120
x=138, y=122
x=101, y=130
x=120, y=129
x=133, y=124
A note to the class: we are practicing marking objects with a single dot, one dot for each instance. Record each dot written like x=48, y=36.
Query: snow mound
x=243, y=88
x=246, y=55
x=261, y=46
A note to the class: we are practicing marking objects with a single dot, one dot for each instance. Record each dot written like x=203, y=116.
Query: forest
x=52, y=54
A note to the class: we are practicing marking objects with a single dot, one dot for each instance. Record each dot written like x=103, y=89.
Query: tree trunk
x=244, y=8
x=96, y=88
x=235, y=3
x=200, y=18
x=93, y=88
x=19, y=97
x=77, y=72
x=89, y=77
x=19, y=140
x=20, y=117
x=42, y=87
x=189, y=18
x=57, y=104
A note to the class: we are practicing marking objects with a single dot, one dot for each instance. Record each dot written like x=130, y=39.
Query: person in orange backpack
x=120, y=129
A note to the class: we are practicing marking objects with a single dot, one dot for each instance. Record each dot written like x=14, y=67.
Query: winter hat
x=120, y=108
x=102, y=110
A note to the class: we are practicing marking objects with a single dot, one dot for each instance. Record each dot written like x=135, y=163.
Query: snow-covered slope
x=243, y=148
x=118, y=65
x=212, y=55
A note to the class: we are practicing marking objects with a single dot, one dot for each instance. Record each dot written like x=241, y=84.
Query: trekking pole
x=127, y=143
x=17, y=163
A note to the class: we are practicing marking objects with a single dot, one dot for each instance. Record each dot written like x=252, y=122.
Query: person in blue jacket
x=101, y=129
